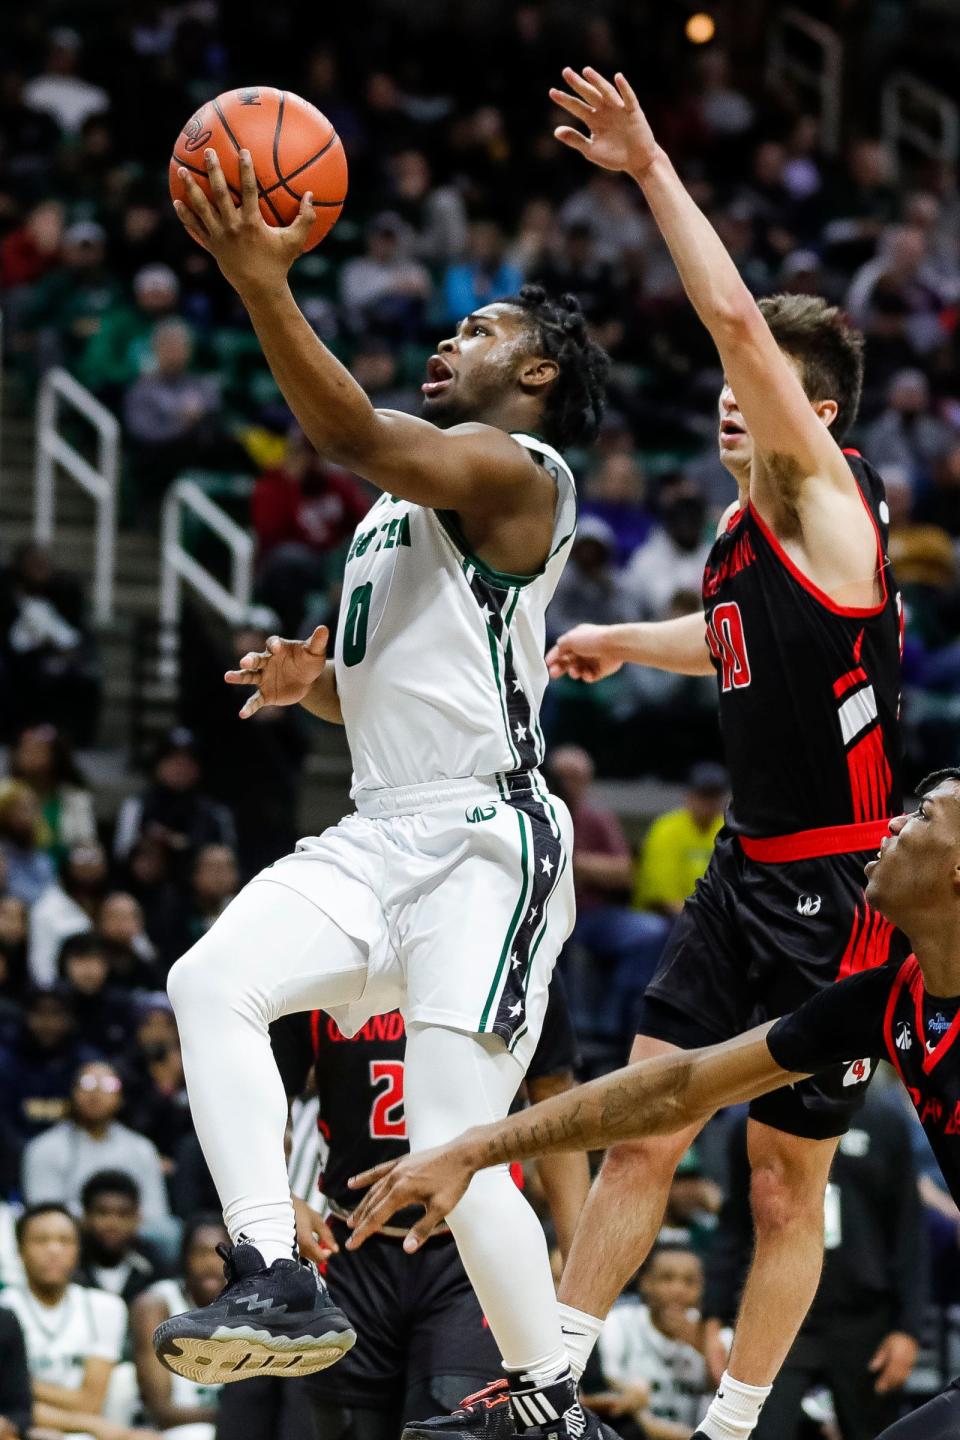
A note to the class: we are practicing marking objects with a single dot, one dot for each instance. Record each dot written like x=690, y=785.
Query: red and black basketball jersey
x=809, y=690
x=886, y=1014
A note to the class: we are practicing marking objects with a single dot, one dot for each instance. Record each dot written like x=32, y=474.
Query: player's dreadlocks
x=574, y=405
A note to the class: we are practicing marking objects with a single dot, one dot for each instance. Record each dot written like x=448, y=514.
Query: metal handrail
x=178, y=567
x=903, y=95
x=100, y=481
x=824, y=78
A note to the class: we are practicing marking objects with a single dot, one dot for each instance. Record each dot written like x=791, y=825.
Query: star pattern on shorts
x=487, y=613
x=515, y=960
x=516, y=1009
x=517, y=685
x=546, y=865
x=521, y=731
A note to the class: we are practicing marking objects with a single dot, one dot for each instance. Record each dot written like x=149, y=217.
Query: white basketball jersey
x=439, y=657
x=183, y=1391
x=632, y=1349
x=60, y=1339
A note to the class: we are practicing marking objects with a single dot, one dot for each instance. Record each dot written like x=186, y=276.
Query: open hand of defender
x=619, y=136
x=586, y=652
x=283, y=672
x=435, y=1179
x=248, y=250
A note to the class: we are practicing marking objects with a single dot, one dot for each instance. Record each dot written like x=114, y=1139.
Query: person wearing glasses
x=57, y=1164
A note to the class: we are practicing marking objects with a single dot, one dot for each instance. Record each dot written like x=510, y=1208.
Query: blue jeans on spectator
x=622, y=949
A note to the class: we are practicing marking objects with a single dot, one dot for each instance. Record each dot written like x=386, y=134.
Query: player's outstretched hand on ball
x=251, y=253
x=584, y=653
x=435, y=1179
x=283, y=672
x=619, y=136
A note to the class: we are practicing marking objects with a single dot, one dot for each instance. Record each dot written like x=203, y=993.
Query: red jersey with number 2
x=809, y=689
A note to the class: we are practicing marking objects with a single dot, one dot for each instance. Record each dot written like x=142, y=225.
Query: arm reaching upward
x=652, y=1097
x=799, y=478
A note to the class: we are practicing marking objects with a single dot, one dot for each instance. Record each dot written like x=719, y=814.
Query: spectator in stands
x=385, y=291
x=31, y=250
x=43, y=757
x=132, y=954
x=863, y=202
x=29, y=138
x=590, y=588
x=157, y=1104
x=623, y=945
x=57, y=1163
x=576, y=266
x=906, y=432
x=693, y=1205
x=436, y=213
x=894, y=300
x=214, y=882
x=60, y=91
x=616, y=494
x=28, y=869
x=172, y=415
x=122, y=350
x=52, y=673
x=170, y=1400
x=66, y=909
x=654, y=1345
x=14, y=928
x=679, y=843
x=483, y=275
x=375, y=367
x=112, y=1255
x=860, y=1335
x=173, y=811
x=74, y=1335
x=67, y=305
x=16, y=1398
x=148, y=874
x=303, y=510
x=39, y=1062
x=104, y=1015
x=676, y=552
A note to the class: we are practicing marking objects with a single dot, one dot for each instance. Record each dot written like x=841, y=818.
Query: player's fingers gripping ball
x=293, y=146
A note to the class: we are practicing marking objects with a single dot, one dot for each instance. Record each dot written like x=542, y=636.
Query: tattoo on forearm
x=633, y=1104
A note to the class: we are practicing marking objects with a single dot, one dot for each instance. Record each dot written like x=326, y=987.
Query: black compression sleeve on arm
x=842, y=1023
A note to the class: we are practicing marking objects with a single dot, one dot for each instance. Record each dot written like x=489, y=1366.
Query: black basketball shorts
x=416, y=1317
x=755, y=941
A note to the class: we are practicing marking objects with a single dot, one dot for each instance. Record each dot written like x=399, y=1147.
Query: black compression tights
x=938, y=1420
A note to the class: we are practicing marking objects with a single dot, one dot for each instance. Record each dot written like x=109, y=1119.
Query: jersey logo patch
x=858, y=1072
x=809, y=905
x=479, y=813
x=904, y=1036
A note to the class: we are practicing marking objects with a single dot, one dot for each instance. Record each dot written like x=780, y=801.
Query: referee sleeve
x=842, y=1023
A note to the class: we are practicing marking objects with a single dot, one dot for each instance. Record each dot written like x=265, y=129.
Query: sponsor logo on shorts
x=858, y=1072
x=809, y=905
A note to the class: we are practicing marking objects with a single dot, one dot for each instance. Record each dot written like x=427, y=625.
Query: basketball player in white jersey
x=183, y=1409
x=449, y=893
x=74, y=1335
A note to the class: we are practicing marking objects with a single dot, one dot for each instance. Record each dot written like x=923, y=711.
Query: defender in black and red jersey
x=423, y=1343
x=801, y=625
x=907, y=1012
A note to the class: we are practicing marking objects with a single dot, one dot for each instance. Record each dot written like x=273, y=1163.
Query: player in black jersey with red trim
x=801, y=627
x=907, y=1012
x=423, y=1343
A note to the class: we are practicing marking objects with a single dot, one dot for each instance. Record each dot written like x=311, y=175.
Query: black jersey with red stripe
x=886, y=1014
x=809, y=690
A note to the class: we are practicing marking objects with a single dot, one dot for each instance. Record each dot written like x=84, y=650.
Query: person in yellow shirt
x=679, y=844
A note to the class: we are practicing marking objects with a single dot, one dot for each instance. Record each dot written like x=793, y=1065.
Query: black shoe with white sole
x=276, y=1320
x=517, y=1411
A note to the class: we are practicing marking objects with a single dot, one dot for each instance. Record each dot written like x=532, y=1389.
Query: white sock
x=580, y=1333
x=734, y=1410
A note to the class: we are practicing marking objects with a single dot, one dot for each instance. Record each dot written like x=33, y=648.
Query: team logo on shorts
x=858, y=1072
x=904, y=1036
x=479, y=813
x=809, y=905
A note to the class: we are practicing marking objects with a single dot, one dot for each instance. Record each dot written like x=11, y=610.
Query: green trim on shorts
x=514, y=922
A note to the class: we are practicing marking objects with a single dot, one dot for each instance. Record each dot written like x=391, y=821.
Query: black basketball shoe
x=485, y=1415
x=517, y=1412
x=265, y=1321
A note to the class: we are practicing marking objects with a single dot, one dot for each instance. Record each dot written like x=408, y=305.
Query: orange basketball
x=294, y=149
